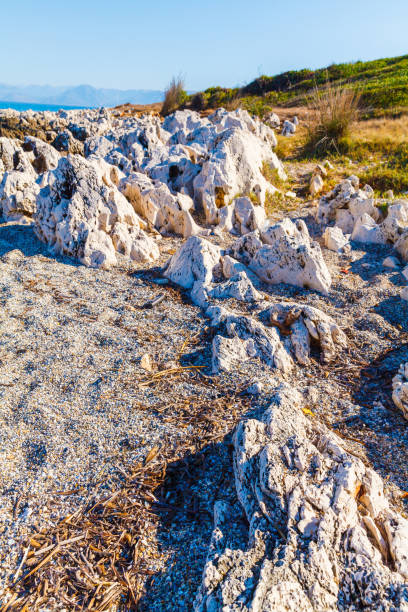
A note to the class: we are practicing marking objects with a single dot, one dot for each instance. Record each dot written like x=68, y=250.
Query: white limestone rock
x=45, y=156
x=400, y=389
x=153, y=201
x=284, y=253
x=272, y=119
x=288, y=128
x=334, y=239
x=302, y=324
x=404, y=294
x=18, y=193
x=234, y=166
x=401, y=246
x=359, y=206
x=320, y=529
x=193, y=263
x=316, y=184
x=344, y=220
x=395, y=223
x=231, y=267
x=241, y=217
x=366, y=230
x=240, y=338
x=238, y=287
x=81, y=213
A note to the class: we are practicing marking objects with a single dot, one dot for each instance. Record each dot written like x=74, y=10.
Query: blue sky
x=129, y=44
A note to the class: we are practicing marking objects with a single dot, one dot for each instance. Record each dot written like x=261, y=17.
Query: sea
x=23, y=106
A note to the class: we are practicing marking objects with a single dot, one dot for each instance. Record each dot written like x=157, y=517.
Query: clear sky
x=134, y=44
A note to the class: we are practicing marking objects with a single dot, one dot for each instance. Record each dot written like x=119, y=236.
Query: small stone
x=316, y=184
x=404, y=293
x=391, y=262
x=255, y=389
x=146, y=363
x=405, y=272
x=389, y=195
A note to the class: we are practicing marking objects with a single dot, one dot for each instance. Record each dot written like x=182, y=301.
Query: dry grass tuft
x=174, y=96
x=333, y=110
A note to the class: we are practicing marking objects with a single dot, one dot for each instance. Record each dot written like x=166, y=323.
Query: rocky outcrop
x=81, y=213
x=321, y=533
x=303, y=325
x=287, y=336
x=400, y=389
x=284, y=253
x=18, y=180
x=153, y=201
x=240, y=338
x=234, y=167
x=357, y=212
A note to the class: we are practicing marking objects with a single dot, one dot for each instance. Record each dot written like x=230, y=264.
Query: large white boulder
x=240, y=338
x=366, y=230
x=345, y=220
x=284, y=253
x=304, y=324
x=234, y=167
x=18, y=193
x=193, y=263
x=320, y=532
x=81, y=213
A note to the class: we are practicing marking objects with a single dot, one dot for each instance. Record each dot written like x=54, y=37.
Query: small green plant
x=174, y=96
x=333, y=110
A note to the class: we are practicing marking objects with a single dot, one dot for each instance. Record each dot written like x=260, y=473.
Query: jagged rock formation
x=284, y=253
x=81, y=213
x=291, y=330
x=400, y=389
x=321, y=532
x=18, y=180
x=242, y=338
x=357, y=212
x=166, y=170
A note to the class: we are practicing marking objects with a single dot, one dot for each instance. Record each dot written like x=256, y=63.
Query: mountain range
x=81, y=95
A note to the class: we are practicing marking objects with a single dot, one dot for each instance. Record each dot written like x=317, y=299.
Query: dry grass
x=333, y=110
x=174, y=96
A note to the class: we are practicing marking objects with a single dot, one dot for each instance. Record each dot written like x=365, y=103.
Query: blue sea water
x=23, y=106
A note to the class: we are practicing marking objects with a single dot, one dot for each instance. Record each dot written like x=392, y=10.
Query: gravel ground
x=75, y=411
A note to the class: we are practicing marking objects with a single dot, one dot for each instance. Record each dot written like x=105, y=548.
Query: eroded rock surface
x=321, y=532
x=81, y=213
x=284, y=253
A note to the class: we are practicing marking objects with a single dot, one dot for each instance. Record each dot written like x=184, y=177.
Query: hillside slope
x=383, y=83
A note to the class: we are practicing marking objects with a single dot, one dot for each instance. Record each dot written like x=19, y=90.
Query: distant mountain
x=82, y=95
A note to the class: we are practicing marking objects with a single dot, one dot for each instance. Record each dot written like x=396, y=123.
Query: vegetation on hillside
x=383, y=84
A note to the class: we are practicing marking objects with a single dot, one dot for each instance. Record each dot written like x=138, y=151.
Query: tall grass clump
x=332, y=111
x=174, y=96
